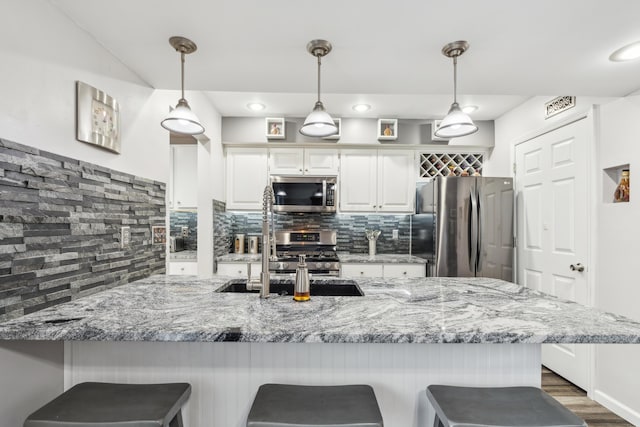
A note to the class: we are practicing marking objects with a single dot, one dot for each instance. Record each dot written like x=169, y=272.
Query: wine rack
x=442, y=164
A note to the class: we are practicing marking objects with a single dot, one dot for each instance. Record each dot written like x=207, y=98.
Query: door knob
x=577, y=267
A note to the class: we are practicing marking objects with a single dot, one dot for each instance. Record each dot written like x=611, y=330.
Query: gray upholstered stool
x=114, y=405
x=505, y=406
x=282, y=405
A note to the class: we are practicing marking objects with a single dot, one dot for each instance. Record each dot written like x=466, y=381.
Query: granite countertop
x=183, y=256
x=343, y=256
x=381, y=258
x=425, y=310
x=240, y=258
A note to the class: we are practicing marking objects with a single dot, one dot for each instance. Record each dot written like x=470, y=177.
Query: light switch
x=125, y=236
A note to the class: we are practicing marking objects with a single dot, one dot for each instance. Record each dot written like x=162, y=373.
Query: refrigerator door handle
x=479, y=219
x=473, y=235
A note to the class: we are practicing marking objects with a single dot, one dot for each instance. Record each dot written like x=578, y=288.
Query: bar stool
x=498, y=407
x=114, y=405
x=284, y=405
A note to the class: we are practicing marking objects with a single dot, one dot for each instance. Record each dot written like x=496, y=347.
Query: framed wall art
x=387, y=129
x=158, y=234
x=97, y=118
x=275, y=128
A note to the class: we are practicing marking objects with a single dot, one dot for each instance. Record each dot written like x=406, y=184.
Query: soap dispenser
x=301, y=290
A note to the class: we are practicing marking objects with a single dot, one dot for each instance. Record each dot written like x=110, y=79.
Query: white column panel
x=226, y=376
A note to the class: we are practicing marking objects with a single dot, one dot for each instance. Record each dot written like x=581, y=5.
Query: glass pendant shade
x=318, y=123
x=455, y=124
x=182, y=120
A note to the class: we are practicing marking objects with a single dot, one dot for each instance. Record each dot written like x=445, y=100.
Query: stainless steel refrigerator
x=464, y=226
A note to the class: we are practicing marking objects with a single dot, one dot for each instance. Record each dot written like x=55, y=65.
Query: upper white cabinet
x=377, y=181
x=183, y=186
x=247, y=177
x=303, y=161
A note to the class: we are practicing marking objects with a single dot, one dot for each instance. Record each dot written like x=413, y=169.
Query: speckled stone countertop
x=425, y=310
x=381, y=258
x=343, y=256
x=183, y=256
x=240, y=258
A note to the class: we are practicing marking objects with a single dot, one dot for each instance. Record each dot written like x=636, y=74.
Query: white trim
x=68, y=365
x=616, y=407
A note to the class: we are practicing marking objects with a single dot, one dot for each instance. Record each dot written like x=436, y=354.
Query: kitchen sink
x=318, y=287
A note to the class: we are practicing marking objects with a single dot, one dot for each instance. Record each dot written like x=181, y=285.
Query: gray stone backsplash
x=60, y=223
x=350, y=228
x=179, y=219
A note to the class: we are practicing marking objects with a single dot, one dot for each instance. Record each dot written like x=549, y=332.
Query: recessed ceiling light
x=626, y=53
x=361, y=108
x=468, y=109
x=255, y=106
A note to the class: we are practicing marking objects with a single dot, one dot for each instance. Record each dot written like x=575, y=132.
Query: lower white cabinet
x=382, y=270
x=361, y=270
x=189, y=268
x=238, y=269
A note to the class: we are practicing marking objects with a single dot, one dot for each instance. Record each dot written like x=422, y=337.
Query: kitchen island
x=401, y=336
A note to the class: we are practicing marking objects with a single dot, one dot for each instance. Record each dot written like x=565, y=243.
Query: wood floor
x=576, y=399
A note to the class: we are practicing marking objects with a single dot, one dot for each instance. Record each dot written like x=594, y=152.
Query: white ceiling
x=385, y=53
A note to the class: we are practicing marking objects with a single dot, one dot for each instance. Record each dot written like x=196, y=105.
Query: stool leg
x=177, y=420
x=437, y=422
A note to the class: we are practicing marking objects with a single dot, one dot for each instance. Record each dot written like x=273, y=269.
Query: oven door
x=304, y=194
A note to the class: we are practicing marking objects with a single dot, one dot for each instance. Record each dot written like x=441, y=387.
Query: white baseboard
x=617, y=407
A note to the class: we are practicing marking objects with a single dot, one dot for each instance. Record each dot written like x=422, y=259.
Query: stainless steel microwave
x=304, y=193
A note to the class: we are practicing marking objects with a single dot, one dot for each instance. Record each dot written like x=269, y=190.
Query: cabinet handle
x=306, y=170
x=362, y=273
x=239, y=271
x=300, y=169
x=404, y=272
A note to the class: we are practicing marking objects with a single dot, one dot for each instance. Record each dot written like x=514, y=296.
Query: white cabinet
x=361, y=270
x=405, y=270
x=238, y=269
x=382, y=270
x=183, y=185
x=303, y=161
x=246, y=178
x=183, y=268
x=377, y=181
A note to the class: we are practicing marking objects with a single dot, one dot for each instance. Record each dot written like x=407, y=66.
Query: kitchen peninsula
x=401, y=336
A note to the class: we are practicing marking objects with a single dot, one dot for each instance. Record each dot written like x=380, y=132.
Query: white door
x=396, y=181
x=358, y=180
x=185, y=176
x=552, y=234
x=246, y=178
x=285, y=161
x=320, y=161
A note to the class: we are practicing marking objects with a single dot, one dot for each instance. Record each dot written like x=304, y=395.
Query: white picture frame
x=275, y=128
x=387, y=129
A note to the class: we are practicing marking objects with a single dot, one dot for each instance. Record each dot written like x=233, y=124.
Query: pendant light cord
x=455, y=79
x=319, y=63
x=182, y=71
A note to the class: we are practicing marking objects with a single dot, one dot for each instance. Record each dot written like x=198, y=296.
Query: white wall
x=523, y=122
x=618, y=366
x=616, y=243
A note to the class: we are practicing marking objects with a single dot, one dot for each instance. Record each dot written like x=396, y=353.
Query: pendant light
x=456, y=123
x=181, y=119
x=319, y=123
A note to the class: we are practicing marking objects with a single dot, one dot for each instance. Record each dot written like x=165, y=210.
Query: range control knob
x=327, y=265
x=285, y=265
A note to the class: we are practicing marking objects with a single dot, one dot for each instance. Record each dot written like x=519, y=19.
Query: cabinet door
x=286, y=161
x=185, y=176
x=405, y=270
x=396, y=181
x=238, y=269
x=360, y=270
x=358, y=180
x=319, y=161
x=246, y=177
x=183, y=268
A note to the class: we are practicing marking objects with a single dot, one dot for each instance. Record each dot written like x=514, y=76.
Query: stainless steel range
x=319, y=246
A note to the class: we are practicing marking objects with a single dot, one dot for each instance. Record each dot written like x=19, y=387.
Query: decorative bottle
x=622, y=190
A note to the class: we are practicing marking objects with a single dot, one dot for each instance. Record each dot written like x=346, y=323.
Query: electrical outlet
x=394, y=234
x=125, y=236
x=185, y=231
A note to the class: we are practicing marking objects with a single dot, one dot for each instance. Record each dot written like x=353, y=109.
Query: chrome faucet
x=268, y=242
